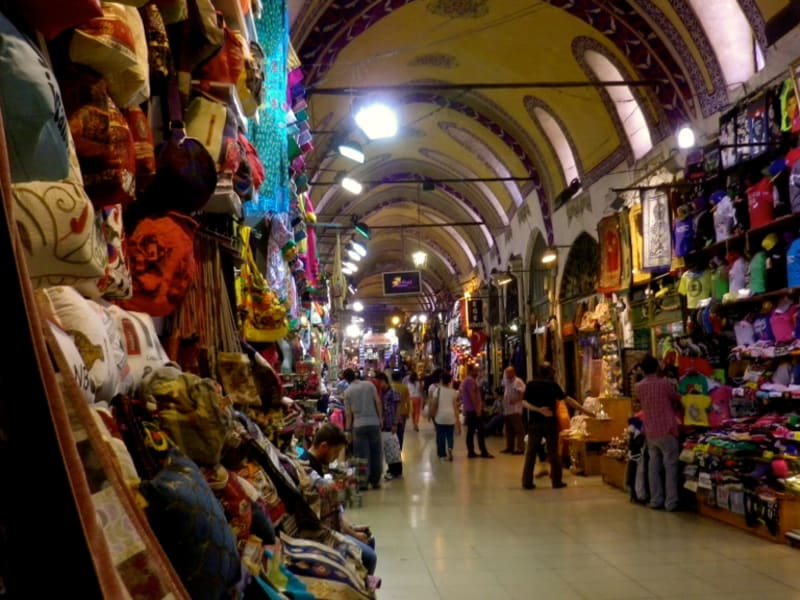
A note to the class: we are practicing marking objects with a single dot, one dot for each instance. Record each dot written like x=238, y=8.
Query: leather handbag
x=186, y=174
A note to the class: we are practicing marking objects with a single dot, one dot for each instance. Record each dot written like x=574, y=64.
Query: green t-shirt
x=758, y=273
x=719, y=282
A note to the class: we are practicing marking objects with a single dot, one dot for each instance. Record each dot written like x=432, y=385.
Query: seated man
x=328, y=444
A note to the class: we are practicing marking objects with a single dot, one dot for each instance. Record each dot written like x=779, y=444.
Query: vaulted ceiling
x=460, y=135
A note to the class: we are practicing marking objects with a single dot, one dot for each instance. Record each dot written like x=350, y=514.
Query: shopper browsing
x=363, y=418
x=444, y=412
x=472, y=404
x=660, y=403
x=513, y=391
x=541, y=396
x=415, y=394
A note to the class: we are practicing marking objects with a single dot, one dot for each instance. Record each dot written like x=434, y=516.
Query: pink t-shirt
x=782, y=323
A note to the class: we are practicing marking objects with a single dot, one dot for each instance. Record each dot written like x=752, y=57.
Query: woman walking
x=444, y=412
x=415, y=395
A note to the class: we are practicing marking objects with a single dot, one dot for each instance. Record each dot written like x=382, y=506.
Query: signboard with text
x=402, y=283
x=475, y=312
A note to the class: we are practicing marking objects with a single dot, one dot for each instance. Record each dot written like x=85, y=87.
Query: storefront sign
x=401, y=283
x=475, y=309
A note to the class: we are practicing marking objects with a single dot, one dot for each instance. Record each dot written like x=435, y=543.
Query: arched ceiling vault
x=461, y=133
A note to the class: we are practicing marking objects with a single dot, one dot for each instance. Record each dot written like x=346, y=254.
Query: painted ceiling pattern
x=486, y=135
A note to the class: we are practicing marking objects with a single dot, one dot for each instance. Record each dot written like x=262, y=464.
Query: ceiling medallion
x=439, y=60
x=459, y=8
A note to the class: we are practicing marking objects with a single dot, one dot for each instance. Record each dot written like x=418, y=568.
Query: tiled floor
x=467, y=530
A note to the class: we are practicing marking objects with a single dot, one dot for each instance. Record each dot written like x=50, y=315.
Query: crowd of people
x=378, y=409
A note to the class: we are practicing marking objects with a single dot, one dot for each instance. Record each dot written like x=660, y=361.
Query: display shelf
x=788, y=518
x=759, y=298
x=778, y=224
x=613, y=470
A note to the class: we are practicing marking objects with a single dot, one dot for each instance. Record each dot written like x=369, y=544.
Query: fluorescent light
x=420, y=258
x=352, y=267
x=353, y=151
x=686, y=137
x=347, y=271
x=358, y=306
x=413, y=319
x=550, y=256
x=354, y=256
x=359, y=247
x=351, y=289
x=423, y=319
x=377, y=121
x=504, y=280
x=351, y=185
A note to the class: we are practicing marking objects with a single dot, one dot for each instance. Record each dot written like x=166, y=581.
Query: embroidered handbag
x=262, y=316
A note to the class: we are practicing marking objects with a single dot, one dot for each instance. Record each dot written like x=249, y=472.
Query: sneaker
x=388, y=477
x=559, y=485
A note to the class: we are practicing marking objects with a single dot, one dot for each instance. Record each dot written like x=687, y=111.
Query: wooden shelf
x=759, y=298
x=788, y=518
x=778, y=224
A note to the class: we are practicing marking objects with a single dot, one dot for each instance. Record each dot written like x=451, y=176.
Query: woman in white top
x=415, y=395
x=444, y=412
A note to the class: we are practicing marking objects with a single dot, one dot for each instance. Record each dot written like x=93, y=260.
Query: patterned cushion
x=140, y=340
x=190, y=524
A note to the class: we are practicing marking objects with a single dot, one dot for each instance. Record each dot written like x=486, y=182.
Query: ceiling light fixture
x=354, y=256
x=361, y=228
x=353, y=151
x=423, y=318
x=377, y=121
x=550, y=256
x=352, y=267
x=686, y=137
x=351, y=185
x=420, y=258
x=358, y=306
x=358, y=247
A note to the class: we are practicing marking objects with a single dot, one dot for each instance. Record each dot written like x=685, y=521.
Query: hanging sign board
x=401, y=283
x=475, y=310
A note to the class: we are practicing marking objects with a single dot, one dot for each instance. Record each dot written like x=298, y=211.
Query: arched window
x=560, y=143
x=628, y=109
x=739, y=54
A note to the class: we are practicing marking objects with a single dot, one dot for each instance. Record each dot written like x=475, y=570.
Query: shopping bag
x=391, y=447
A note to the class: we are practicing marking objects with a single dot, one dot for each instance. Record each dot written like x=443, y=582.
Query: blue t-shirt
x=793, y=264
x=682, y=236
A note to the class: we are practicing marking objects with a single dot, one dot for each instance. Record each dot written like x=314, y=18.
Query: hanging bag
x=186, y=174
x=262, y=316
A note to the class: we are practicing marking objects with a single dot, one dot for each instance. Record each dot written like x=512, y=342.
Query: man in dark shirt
x=540, y=399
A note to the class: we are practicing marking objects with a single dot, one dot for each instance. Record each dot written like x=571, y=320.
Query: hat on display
x=769, y=242
x=716, y=197
x=792, y=157
x=775, y=168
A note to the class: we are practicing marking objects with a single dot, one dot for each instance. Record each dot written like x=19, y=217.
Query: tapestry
x=638, y=273
x=608, y=233
x=656, y=234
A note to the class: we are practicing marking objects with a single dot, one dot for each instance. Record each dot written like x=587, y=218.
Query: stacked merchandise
x=127, y=227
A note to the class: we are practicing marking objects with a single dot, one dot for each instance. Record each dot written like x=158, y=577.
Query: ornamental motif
x=438, y=60
x=454, y=9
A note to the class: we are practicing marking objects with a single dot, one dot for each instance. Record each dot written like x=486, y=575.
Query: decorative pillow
x=116, y=280
x=190, y=525
x=73, y=357
x=35, y=123
x=121, y=380
x=323, y=570
x=140, y=340
x=80, y=320
x=236, y=376
x=190, y=410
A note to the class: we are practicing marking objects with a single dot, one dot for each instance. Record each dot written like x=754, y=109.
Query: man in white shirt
x=513, y=391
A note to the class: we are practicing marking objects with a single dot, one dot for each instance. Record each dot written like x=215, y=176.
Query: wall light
x=550, y=256
x=352, y=150
x=396, y=320
x=377, y=121
x=686, y=137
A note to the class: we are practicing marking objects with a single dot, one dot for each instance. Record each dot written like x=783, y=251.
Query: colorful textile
x=608, y=232
x=657, y=236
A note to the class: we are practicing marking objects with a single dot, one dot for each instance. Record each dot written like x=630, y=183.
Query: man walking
x=363, y=418
x=659, y=401
x=540, y=398
x=472, y=405
x=513, y=391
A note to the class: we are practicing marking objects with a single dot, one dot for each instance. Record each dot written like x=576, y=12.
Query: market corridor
x=466, y=530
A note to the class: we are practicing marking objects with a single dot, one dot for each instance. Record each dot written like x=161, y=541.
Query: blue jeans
x=444, y=438
x=368, y=555
x=663, y=471
x=367, y=446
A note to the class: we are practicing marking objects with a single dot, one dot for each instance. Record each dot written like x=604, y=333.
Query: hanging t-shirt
x=793, y=264
x=782, y=322
x=695, y=409
x=683, y=236
x=737, y=275
x=696, y=286
x=724, y=217
x=720, y=405
x=762, y=329
x=693, y=384
x=760, y=203
x=719, y=282
x=776, y=269
x=745, y=335
x=758, y=272
x=794, y=187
